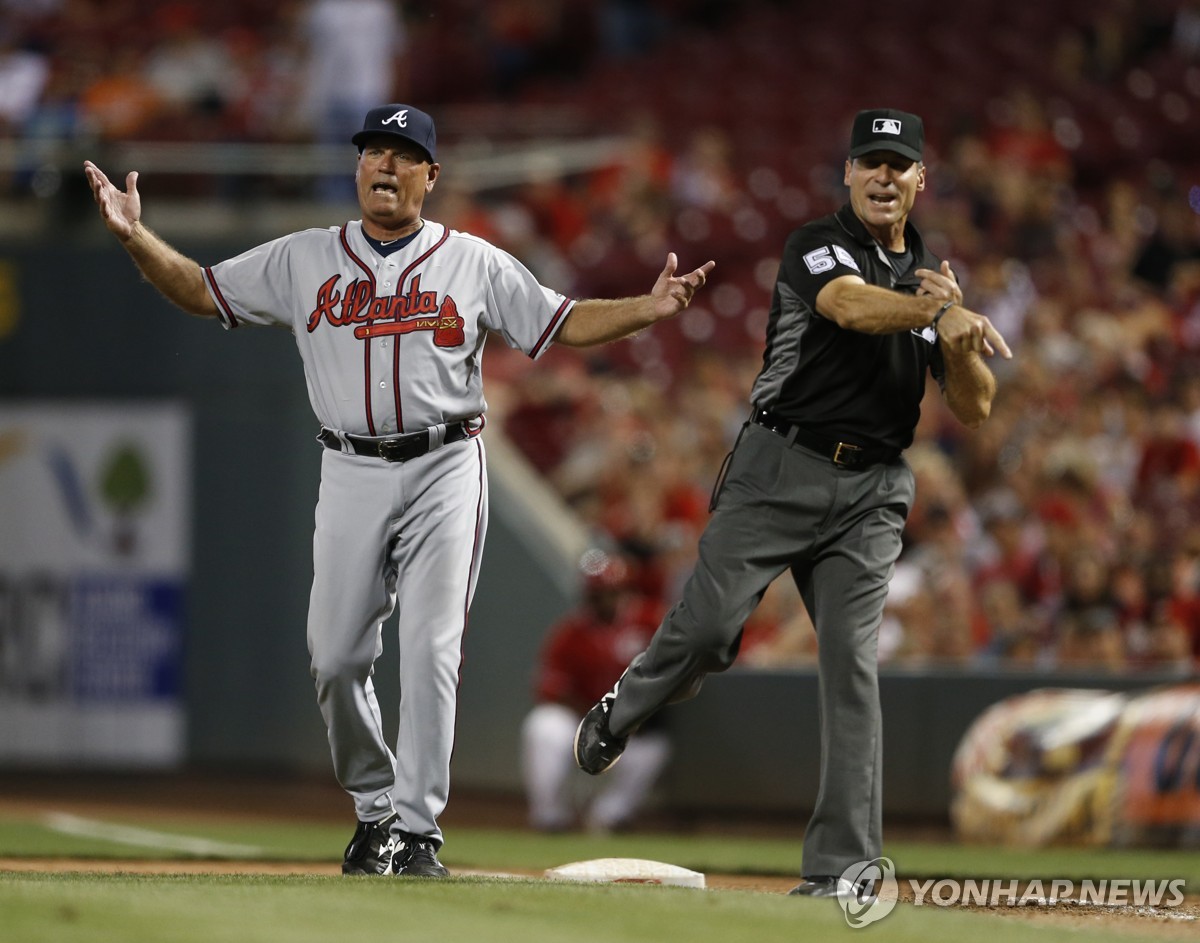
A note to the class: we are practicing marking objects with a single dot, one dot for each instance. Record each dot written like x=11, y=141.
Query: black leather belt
x=843, y=454
x=397, y=448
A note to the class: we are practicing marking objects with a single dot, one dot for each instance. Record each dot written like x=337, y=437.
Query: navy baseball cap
x=886, y=129
x=401, y=121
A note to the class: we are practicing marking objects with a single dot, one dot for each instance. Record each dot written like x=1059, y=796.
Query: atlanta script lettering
x=415, y=310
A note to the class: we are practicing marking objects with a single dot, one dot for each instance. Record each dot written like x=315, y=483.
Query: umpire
x=816, y=482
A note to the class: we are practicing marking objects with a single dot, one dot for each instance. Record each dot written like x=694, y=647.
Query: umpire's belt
x=397, y=448
x=843, y=454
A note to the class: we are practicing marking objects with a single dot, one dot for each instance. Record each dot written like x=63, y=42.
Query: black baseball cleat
x=416, y=857
x=596, y=747
x=825, y=885
x=370, y=850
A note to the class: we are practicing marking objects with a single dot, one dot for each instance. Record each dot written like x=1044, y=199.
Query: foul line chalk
x=68, y=824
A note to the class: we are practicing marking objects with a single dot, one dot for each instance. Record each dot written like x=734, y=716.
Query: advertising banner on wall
x=1083, y=766
x=94, y=556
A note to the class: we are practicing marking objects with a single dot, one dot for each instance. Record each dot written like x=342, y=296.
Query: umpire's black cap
x=886, y=129
x=401, y=121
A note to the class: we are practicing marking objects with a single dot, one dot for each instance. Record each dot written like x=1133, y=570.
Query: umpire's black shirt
x=841, y=384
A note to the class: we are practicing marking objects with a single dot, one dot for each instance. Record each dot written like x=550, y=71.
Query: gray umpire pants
x=839, y=532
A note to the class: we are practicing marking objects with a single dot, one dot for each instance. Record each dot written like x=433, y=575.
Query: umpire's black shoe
x=370, y=850
x=416, y=857
x=825, y=885
x=596, y=748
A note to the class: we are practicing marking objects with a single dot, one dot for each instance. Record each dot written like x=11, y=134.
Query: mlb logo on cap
x=886, y=129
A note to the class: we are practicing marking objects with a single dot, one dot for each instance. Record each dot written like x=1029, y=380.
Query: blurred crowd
x=290, y=70
x=1063, y=534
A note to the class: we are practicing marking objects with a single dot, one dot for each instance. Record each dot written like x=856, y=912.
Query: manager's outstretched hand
x=174, y=274
x=598, y=321
x=672, y=293
x=121, y=210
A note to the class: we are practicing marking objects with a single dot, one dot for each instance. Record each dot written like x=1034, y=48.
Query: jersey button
x=383, y=384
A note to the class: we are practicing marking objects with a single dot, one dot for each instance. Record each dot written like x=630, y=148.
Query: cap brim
x=887, y=144
x=362, y=137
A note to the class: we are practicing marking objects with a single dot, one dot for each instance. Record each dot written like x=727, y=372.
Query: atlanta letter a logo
x=400, y=117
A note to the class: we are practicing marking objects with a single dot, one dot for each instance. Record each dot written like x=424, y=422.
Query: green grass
x=324, y=909
x=205, y=908
x=498, y=850
x=81, y=906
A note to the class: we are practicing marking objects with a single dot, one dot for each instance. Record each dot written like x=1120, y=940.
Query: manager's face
x=393, y=177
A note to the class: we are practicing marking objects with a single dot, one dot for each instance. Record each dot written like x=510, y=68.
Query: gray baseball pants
x=839, y=532
x=389, y=536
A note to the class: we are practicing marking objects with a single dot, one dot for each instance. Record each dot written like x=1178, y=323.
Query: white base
x=626, y=871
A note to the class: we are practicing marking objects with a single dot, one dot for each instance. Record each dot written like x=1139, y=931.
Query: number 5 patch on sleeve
x=827, y=257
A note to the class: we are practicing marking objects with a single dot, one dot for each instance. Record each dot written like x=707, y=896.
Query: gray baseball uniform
x=390, y=314
x=392, y=345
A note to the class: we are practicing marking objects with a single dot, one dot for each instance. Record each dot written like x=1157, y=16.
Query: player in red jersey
x=581, y=657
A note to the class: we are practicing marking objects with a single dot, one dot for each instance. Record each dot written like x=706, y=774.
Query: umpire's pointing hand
x=962, y=331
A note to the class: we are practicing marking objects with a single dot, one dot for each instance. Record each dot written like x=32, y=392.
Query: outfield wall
x=750, y=740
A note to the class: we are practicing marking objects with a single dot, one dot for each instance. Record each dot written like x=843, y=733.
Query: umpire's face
x=393, y=178
x=883, y=187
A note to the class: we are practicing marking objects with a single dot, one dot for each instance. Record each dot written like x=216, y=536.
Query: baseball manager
x=390, y=313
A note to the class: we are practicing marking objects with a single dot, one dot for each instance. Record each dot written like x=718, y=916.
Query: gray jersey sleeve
x=257, y=287
x=520, y=309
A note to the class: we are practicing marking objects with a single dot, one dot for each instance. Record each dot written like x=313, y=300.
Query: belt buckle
x=849, y=458
x=392, y=450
